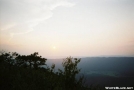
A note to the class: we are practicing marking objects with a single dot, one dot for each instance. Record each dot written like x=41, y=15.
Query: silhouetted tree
x=23, y=72
x=33, y=60
x=69, y=74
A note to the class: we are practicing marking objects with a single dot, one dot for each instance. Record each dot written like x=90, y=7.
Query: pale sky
x=61, y=28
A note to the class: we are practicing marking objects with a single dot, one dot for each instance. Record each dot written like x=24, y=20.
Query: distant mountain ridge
x=101, y=63
x=107, y=71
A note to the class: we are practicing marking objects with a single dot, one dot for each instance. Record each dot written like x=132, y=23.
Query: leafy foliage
x=23, y=72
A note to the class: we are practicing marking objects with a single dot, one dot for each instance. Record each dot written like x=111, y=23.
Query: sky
x=62, y=28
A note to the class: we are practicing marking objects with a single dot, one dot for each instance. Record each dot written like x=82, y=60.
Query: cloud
x=21, y=16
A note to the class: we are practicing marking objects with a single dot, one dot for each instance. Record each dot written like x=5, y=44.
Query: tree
x=33, y=60
x=69, y=74
x=23, y=72
x=15, y=73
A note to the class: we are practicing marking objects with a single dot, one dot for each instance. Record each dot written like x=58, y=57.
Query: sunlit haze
x=61, y=28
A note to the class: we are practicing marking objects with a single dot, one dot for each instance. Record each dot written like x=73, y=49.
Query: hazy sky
x=61, y=28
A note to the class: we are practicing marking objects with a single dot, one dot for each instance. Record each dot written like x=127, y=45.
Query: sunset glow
x=54, y=47
x=77, y=27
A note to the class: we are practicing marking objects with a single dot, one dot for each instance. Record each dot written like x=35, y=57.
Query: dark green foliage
x=69, y=74
x=32, y=60
x=23, y=72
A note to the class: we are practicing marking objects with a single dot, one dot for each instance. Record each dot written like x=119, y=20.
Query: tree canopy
x=23, y=72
